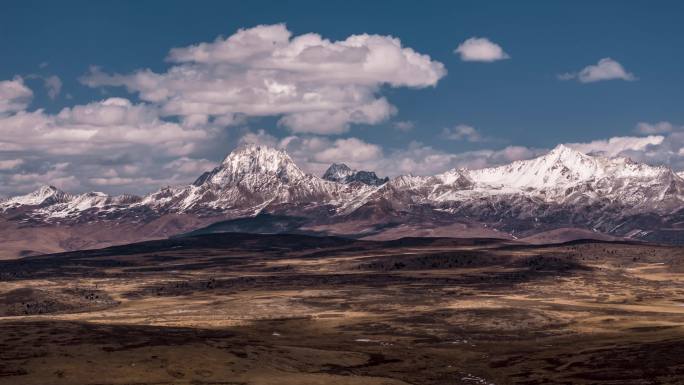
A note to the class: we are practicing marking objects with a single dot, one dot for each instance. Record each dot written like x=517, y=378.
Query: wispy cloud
x=462, y=132
x=52, y=84
x=404, y=126
x=10, y=164
x=655, y=128
x=605, y=69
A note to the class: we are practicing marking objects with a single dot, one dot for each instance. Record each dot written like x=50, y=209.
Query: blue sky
x=519, y=102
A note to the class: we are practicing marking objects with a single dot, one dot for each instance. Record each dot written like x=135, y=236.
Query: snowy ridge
x=563, y=167
x=81, y=203
x=564, y=171
x=254, y=178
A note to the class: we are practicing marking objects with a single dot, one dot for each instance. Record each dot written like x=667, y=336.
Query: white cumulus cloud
x=94, y=127
x=314, y=154
x=14, y=95
x=315, y=85
x=112, y=142
x=664, y=149
x=480, y=49
x=616, y=145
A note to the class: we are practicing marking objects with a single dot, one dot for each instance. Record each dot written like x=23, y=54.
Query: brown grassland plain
x=290, y=309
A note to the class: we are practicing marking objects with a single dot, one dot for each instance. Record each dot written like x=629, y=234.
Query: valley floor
x=288, y=309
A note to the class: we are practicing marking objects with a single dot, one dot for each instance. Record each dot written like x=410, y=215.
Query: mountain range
x=561, y=195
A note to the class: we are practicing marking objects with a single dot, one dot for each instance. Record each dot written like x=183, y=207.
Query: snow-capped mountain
x=45, y=195
x=249, y=180
x=565, y=175
x=564, y=167
x=558, y=169
x=340, y=172
x=563, y=188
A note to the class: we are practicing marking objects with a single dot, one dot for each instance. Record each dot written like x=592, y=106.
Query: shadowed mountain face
x=562, y=189
x=340, y=172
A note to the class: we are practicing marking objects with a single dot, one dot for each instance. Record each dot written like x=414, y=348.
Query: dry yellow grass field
x=249, y=309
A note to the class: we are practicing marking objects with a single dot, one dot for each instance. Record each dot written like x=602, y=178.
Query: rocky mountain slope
x=561, y=189
x=340, y=172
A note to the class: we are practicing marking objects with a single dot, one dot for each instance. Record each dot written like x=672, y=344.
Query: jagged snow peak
x=338, y=172
x=43, y=195
x=257, y=160
x=250, y=179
